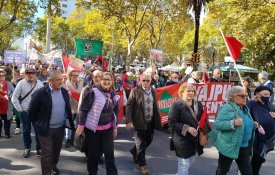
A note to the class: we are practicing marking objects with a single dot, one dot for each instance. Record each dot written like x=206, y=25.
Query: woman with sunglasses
x=261, y=112
x=233, y=133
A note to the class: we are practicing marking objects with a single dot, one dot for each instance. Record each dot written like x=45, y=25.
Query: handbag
x=203, y=138
x=20, y=98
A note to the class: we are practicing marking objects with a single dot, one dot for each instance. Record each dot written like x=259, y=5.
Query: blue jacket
x=228, y=140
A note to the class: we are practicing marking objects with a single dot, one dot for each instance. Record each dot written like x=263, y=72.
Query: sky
x=40, y=12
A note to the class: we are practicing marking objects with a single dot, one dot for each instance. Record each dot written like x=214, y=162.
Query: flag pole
x=232, y=57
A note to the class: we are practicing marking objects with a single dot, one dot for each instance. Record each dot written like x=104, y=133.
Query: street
x=160, y=160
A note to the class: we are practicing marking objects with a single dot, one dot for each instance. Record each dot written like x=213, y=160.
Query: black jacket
x=179, y=114
x=40, y=109
x=135, y=110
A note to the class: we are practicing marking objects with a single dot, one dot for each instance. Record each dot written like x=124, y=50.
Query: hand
x=256, y=125
x=238, y=122
x=272, y=114
x=128, y=126
x=115, y=132
x=193, y=131
x=79, y=131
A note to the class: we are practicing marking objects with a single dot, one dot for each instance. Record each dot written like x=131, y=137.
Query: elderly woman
x=264, y=137
x=233, y=133
x=98, y=112
x=183, y=119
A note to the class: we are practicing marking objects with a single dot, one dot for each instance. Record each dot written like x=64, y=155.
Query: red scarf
x=4, y=100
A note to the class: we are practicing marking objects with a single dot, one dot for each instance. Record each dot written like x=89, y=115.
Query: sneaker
x=55, y=171
x=38, y=153
x=143, y=170
x=17, y=131
x=26, y=153
x=134, y=154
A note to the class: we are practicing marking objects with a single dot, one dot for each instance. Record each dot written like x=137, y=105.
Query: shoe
x=26, y=153
x=134, y=154
x=101, y=160
x=68, y=143
x=8, y=136
x=143, y=170
x=55, y=171
x=17, y=131
x=38, y=153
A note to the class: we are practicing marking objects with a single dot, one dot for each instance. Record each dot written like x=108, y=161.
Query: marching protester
x=74, y=87
x=49, y=108
x=174, y=79
x=98, y=120
x=183, y=118
x=246, y=83
x=162, y=78
x=265, y=134
x=195, y=77
x=216, y=76
x=233, y=133
x=21, y=99
x=155, y=81
x=142, y=113
x=6, y=90
x=42, y=75
x=264, y=81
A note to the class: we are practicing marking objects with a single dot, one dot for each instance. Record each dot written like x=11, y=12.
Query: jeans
x=7, y=124
x=27, y=131
x=183, y=166
x=243, y=162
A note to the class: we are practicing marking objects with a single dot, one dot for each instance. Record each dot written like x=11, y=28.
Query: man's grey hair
x=145, y=74
x=264, y=75
x=52, y=74
x=235, y=90
x=97, y=72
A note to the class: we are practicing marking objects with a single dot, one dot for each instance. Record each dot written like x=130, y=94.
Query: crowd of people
x=70, y=105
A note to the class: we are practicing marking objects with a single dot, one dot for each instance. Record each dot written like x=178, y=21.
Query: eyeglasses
x=146, y=81
x=2, y=75
x=104, y=79
x=242, y=96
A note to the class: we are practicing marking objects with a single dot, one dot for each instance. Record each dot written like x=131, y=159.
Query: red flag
x=234, y=46
x=121, y=111
x=102, y=63
x=203, y=120
x=65, y=61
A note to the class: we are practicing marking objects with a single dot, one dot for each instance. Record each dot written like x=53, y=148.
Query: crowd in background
x=90, y=103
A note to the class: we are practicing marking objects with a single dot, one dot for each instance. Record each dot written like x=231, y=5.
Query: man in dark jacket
x=143, y=115
x=49, y=108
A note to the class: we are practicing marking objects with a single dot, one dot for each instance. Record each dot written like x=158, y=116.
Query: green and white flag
x=85, y=48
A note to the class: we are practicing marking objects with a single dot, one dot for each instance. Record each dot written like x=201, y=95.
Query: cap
x=262, y=88
x=30, y=70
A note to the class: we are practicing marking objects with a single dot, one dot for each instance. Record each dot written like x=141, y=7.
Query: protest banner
x=14, y=57
x=212, y=96
x=156, y=54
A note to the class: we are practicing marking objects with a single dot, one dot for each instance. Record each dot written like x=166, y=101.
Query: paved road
x=160, y=160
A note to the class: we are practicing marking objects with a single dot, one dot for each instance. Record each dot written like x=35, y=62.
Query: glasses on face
x=106, y=79
x=242, y=95
x=2, y=75
x=146, y=81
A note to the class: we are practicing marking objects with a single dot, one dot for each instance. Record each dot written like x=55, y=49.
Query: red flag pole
x=228, y=48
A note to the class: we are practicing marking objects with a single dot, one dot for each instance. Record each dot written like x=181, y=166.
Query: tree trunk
x=48, y=36
x=197, y=7
x=129, y=55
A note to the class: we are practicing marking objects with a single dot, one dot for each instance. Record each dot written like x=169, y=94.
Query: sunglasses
x=146, y=81
x=242, y=96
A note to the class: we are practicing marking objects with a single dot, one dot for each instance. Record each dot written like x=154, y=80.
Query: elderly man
x=143, y=115
x=264, y=81
x=21, y=99
x=195, y=77
x=216, y=76
x=49, y=108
